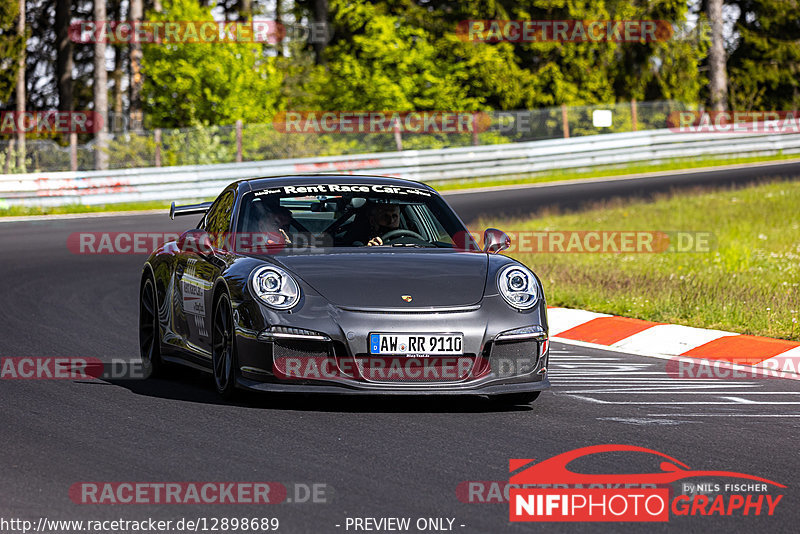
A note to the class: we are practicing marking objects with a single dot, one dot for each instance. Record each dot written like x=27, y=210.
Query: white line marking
x=628, y=373
x=722, y=415
x=609, y=380
x=643, y=384
x=618, y=363
x=722, y=364
x=679, y=403
x=593, y=391
x=740, y=400
x=583, y=360
x=662, y=391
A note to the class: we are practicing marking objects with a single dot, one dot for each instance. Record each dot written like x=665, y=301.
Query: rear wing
x=189, y=209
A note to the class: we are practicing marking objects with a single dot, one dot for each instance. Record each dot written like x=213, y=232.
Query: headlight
x=518, y=287
x=275, y=287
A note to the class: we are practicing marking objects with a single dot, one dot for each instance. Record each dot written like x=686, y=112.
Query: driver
x=383, y=218
x=274, y=221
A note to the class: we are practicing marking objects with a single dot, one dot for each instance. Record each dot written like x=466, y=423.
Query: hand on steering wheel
x=400, y=232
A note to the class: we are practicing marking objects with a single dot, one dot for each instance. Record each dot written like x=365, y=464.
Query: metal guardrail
x=206, y=181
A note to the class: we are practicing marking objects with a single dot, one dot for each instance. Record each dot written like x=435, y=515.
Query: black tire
x=516, y=399
x=223, y=348
x=149, y=330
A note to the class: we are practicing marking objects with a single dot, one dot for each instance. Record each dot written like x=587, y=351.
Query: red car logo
x=554, y=470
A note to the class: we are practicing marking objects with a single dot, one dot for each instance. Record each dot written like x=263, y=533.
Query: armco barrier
x=205, y=181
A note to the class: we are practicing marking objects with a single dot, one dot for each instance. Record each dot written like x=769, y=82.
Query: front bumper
x=324, y=349
x=361, y=389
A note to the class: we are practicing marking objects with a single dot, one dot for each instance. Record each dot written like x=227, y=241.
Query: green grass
x=605, y=171
x=749, y=283
x=15, y=211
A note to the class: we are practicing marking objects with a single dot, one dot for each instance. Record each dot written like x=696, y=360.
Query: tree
x=384, y=60
x=379, y=64
x=385, y=49
x=764, y=65
x=188, y=84
x=318, y=13
x=320, y=18
x=100, y=89
x=115, y=123
x=20, y=93
x=11, y=46
x=279, y=20
x=64, y=61
x=43, y=70
x=718, y=75
x=135, y=77
x=665, y=69
x=245, y=9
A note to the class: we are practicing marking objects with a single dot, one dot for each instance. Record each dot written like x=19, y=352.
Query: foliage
x=764, y=67
x=11, y=45
x=217, y=83
x=383, y=63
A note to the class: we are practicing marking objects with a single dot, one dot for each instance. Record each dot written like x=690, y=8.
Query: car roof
x=256, y=184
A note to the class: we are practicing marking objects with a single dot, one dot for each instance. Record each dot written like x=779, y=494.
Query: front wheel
x=223, y=351
x=149, y=330
x=516, y=399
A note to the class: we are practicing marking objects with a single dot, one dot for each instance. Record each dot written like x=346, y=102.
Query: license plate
x=428, y=344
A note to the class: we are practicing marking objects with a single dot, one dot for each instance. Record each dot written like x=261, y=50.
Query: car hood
x=380, y=279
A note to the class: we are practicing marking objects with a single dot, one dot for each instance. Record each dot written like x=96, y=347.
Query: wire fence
x=201, y=145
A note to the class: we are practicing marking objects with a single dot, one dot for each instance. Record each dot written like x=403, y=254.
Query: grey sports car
x=343, y=284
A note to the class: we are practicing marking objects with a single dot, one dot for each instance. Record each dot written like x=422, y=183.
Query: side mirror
x=197, y=241
x=495, y=241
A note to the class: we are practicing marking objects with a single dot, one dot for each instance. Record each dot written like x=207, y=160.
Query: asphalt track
x=516, y=202
x=376, y=457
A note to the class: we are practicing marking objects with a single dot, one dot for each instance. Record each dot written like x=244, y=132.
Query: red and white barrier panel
x=714, y=352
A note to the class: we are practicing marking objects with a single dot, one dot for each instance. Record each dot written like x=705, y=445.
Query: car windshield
x=350, y=215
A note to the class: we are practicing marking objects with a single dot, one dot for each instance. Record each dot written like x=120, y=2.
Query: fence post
x=238, y=141
x=398, y=137
x=634, y=115
x=565, y=120
x=73, y=151
x=157, y=134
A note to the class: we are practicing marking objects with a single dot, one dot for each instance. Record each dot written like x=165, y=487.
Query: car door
x=197, y=269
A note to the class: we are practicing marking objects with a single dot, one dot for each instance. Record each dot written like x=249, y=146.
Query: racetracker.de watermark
x=110, y=243
x=682, y=368
x=204, y=492
x=732, y=122
x=195, y=31
x=378, y=122
x=607, y=241
x=69, y=368
x=50, y=122
x=386, y=368
x=564, y=31
x=499, y=491
x=531, y=241
x=49, y=368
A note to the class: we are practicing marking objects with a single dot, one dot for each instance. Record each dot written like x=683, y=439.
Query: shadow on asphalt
x=190, y=385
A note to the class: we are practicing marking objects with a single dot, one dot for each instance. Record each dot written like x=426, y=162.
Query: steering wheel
x=401, y=232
